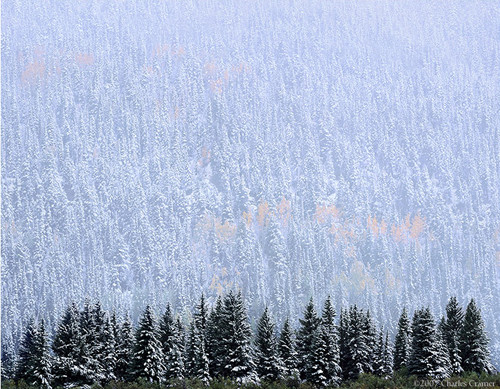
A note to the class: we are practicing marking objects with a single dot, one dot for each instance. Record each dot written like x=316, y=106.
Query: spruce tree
x=451, y=333
x=269, y=367
x=426, y=359
x=148, y=360
x=379, y=355
x=329, y=334
x=306, y=339
x=358, y=350
x=388, y=361
x=8, y=359
x=124, y=349
x=67, y=346
x=26, y=352
x=474, y=342
x=196, y=356
x=344, y=330
x=90, y=366
x=402, y=344
x=287, y=353
x=215, y=338
x=174, y=357
x=41, y=361
x=370, y=341
x=236, y=358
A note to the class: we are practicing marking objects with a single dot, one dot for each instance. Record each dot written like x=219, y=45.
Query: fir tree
x=451, y=334
x=379, y=355
x=344, y=341
x=41, y=361
x=306, y=338
x=402, y=344
x=388, y=361
x=426, y=359
x=8, y=359
x=474, y=342
x=124, y=348
x=237, y=362
x=26, y=352
x=174, y=357
x=268, y=362
x=287, y=353
x=330, y=339
x=215, y=339
x=196, y=356
x=67, y=347
x=358, y=350
x=148, y=356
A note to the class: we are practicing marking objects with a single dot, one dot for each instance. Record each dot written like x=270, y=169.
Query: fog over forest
x=155, y=150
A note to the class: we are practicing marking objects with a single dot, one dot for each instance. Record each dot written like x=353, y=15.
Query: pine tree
x=236, y=358
x=89, y=364
x=474, y=342
x=451, y=334
x=174, y=358
x=215, y=339
x=269, y=366
x=329, y=335
x=26, y=352
x=8, y=359
x=148, y=356
x=344, y=330
x=388, y=361
x=287, y=353
x=426, y=359
x=41, y=363
x=196, y=356
x=306, y=339
x=370, y=341
x=358, y=350
x=124, y=348
x=379, y=355
x=67, y=347
x=443, y=362
x=402, y=344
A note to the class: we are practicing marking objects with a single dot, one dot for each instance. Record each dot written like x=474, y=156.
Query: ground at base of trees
x=365, y=381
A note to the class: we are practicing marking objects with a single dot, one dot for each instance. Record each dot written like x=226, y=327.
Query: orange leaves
x=218, y=78
x=263, y=213
x=33, y=72
x=224, y=231
x=409, y=229
x=325, y=213
x=205, y=157
x=284, y=211
x=247, y=217
x=84, y=59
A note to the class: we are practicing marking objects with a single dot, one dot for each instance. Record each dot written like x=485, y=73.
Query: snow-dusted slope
x=152, y=150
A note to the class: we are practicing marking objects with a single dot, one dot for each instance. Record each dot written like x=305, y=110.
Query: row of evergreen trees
x=91, y=346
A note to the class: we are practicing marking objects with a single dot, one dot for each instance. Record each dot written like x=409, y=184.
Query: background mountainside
x=155, y=150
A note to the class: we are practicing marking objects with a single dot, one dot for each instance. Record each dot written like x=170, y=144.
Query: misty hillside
x=155, y=150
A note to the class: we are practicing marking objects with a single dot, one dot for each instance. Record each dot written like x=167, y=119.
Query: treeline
x=92, y=346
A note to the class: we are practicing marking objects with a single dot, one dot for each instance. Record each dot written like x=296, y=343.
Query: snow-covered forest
x=155, y=150
x=92, y=346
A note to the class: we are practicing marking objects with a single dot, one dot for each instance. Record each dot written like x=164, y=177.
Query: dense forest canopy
x=154, y=150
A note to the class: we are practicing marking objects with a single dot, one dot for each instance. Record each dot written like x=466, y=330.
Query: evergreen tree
x=474, y=342
x=196, y=356
x=124, y=348
x=379, y=355
x=215, y=339
x=426, y=359
x=358, y=350
x=329, y=335
x=174, y=357
x=201, y=317
x=287, y=353
x=89, y=364
x=26, y=352
x=388, y=361
x=236, y=358
x=268, y=362
x=67, y=347
x=41, y=363
x=306, y=339
x=8, y=359
x=370, y=341
x=451, y=334
x=444, y=368
x=344, y=341
x=402, y=344
x=147, y=354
